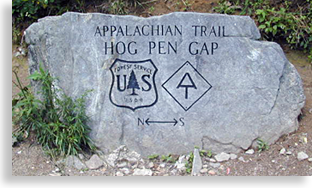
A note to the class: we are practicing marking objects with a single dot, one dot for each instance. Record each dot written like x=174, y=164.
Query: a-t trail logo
x=186, y=86
x=133, y=84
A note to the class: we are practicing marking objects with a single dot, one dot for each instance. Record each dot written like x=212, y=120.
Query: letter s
x=147, y=83
x=181, y=120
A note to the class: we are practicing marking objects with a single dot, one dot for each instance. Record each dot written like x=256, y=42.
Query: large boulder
x=167, y=83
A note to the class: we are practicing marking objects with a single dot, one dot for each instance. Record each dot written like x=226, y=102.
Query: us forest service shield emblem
x=133, y=84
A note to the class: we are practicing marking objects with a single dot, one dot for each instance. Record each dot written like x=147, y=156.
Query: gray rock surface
x=94, y=162
x=222, y=157
x=167, y=83
x=197, y=163
x=142, y=172
x=302, y=156
x=122, y=155
x=73, y=161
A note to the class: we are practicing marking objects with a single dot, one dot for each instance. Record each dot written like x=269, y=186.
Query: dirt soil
x=28, y=158
x=167, y=6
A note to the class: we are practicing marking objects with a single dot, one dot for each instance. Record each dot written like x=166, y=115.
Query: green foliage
x=28, y=8
x=121, y=7
x=153, y=157
x=224, y=7
x=205, y=153
x=295, y=27
x=284, y=21
x=168, y=158
x=262, y=146
x=310, y=56
x=31, y=10
x=189, y=163
x=24, y=111
x=59, y=123
x=118, y=7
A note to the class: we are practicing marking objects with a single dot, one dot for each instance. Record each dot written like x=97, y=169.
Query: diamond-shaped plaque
x=186, y=86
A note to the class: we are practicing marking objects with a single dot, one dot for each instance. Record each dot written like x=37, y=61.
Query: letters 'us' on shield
x=133, y=84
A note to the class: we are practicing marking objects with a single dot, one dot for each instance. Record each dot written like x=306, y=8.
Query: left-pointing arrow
x=148, y=122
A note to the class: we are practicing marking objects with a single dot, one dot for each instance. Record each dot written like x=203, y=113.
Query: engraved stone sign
x=185, y=89
x=167, y=83
x=137, y=90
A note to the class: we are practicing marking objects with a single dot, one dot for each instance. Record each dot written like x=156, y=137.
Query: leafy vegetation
x=153, y=157
x=189, y=163
x=25, y=12
x=28, y=9
x=286, y=21
x=262, y=146
x=224, y=7
x=31, y=10
x=169, y=158
x=122, y=7
x=59, y=123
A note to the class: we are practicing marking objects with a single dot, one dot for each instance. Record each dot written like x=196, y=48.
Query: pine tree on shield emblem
x=133, y=84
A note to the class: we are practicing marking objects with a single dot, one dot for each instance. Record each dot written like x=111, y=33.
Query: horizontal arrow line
x=174, y=121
